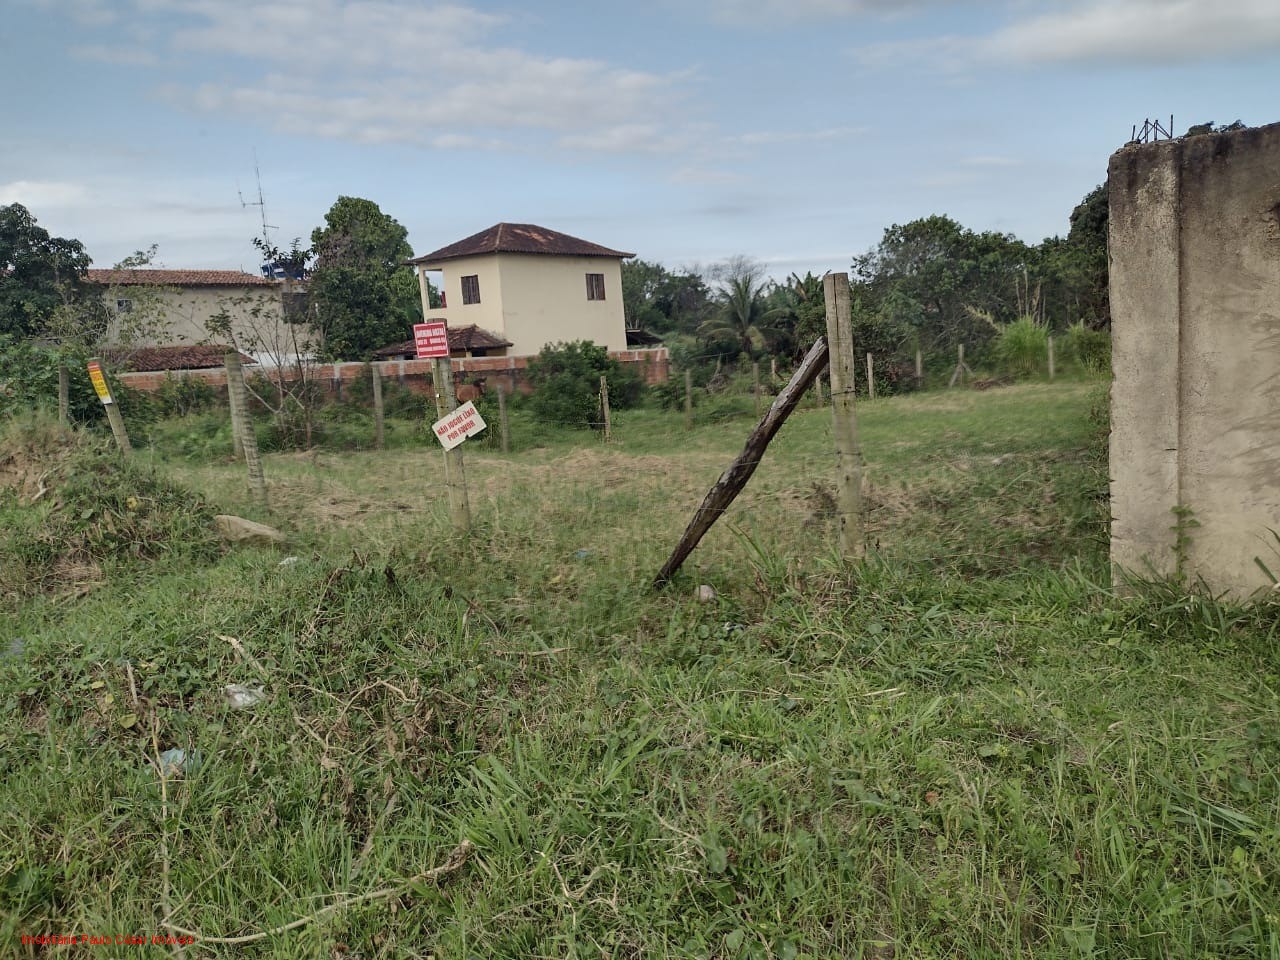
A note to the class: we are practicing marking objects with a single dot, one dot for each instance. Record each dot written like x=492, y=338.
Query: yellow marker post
x=109, y=405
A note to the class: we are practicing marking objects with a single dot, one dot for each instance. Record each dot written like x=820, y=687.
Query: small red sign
x=431, y=339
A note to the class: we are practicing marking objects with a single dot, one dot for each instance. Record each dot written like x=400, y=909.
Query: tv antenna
x=260, y=203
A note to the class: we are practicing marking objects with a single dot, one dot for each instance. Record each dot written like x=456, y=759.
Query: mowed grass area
x=965, y=747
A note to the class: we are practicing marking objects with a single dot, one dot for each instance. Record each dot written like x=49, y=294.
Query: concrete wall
x=1195, y=402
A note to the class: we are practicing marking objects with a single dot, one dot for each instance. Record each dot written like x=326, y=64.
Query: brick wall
x=510, y=373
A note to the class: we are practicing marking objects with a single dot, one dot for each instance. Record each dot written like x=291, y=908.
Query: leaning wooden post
x=739, y=472
x=109, y=406
x=844, y=420
x=755, y=376
x=64, y=394
x=240, y=410
x=1051, y=359
x=919, y=371
x=871, y=378
x=502, y=419
x=379, y=423
x=688, y=399
x=454, y=472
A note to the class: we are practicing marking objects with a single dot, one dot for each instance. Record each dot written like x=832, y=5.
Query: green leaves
x=365, y=297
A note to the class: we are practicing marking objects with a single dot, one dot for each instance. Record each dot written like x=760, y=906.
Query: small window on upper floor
x=595, y=286
x=124, y=306
x=471, y=289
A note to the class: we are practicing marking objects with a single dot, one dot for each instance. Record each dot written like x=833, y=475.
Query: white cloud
x=759, y=138
x=381, y=71
x=124, y=56
x=770, y=12
x=1157, y=31
x=1104, y=31
x=42, y=194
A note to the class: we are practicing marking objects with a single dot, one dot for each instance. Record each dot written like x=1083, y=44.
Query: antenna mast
x=260, y=203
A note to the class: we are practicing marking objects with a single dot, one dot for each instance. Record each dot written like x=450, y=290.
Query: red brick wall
x=507, y=372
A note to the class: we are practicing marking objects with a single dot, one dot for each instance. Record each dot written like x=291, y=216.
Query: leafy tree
x=566, y=383
x=925, y=278
x=664, y=301
x=38, y=273
x=1074, y=270
x=363, y=294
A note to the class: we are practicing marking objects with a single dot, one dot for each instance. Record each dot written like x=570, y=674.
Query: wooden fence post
x=844, y=419
x=961, y=367
x=817, y=386
x=773, y=370
x=688, y=399
x=454, y=471
x=871, y=378
x=1051, y=359
x=240, y=409
x=604, y=407
x=503, y=422
x=379, y=424
x=919, y=371
x=755, y=376
x=64, y=394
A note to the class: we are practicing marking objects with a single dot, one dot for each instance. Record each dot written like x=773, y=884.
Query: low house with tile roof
x=468, y=341
x=186, y=304
x=530, y=286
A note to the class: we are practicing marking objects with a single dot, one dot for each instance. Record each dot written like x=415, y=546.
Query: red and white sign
x=455, y=427
x=431, y=339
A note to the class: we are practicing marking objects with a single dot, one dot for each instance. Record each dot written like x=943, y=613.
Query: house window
x=124, y=306
x=595, y=286
x=471, y=289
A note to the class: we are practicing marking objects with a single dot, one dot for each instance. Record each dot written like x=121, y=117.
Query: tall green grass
x=967, y=746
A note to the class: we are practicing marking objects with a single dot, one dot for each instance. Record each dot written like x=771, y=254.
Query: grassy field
x=508, y=746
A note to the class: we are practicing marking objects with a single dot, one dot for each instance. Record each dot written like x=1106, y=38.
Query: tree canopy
x=363, y=294
x=38, y=272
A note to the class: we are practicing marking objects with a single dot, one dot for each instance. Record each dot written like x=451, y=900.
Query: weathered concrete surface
x=1195, y=403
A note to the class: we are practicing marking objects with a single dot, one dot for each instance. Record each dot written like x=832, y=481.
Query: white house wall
x=487, y=314
x=544, y=300
x=256, y=316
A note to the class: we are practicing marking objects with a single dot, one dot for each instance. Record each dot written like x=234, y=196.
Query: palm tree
x=743, y=318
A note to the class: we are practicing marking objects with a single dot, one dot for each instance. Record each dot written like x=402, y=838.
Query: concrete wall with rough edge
x=1195, y=400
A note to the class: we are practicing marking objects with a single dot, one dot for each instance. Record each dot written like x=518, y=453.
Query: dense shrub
x=1090, y=348
x=566, y=383
x=1022, y=347
x=29, y=380
x=180, y=396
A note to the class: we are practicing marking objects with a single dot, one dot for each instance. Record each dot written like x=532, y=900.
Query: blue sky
x=793, y=131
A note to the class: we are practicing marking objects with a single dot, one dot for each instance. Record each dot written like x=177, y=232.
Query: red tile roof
x=470, y=337
x=181, y=357
x=519, y=238
x=178, y=278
